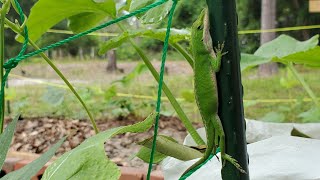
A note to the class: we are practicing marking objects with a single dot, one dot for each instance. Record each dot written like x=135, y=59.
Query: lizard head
x=200, y=36
x=197, y=26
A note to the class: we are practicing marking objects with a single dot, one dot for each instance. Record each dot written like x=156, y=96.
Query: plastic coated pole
x=223, y=28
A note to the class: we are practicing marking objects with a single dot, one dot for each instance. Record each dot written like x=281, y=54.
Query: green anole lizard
x=206, y=63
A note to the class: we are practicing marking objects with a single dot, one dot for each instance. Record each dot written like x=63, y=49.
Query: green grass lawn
x=278, y=98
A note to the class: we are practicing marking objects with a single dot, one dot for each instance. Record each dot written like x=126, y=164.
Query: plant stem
x=187, y=123
x=304, y=84
x=54, y=67
x=184, y=53
x=2, y=22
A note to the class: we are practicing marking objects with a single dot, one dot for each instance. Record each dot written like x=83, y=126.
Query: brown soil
x=37, y=135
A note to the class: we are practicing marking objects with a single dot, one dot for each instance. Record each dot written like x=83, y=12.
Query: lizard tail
x=204, y=159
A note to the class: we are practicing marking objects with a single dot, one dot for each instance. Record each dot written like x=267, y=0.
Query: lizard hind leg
x=225, y=157
x=214, y=150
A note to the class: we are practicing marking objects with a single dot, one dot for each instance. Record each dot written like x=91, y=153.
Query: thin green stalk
x=304, y=84
x=54, y=67
x=187, y=123
x=184, y=53
x=3, y=11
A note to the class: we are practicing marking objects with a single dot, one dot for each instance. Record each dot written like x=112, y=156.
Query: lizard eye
x=200, y=27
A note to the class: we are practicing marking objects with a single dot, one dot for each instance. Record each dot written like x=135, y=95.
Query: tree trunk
x=92, y=54
x=60, y=54
x=81, y=53
x=268, y=21
x=54, y=54
x=112, y=63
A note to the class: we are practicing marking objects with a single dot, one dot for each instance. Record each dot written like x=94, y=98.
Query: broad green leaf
x=125, y=6
x=110, y=93
x=249, y=61
x=157, y=14
x=284, y=49
x=53, y=96
x=138, y=70
x=84, y=21
x=310, y=57
x=154, y=15
x=176, y=35
x=138, y=4
x=169, y=147
x=6, y=138
x=88, y=160
x=313, y=115
x=285, y=45
x=273, y=117
x=46, y=13
x=28, y=171
x=99, y=1
x=144, y=155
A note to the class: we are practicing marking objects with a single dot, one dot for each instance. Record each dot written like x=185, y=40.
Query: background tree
x=268, y=21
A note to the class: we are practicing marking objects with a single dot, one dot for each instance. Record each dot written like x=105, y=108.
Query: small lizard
x=206, y=63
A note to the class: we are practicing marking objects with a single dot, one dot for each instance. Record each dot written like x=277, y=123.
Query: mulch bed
x=36, y=135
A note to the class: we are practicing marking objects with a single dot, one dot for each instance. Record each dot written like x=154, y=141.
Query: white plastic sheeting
x=257, y=130
x=277, y=158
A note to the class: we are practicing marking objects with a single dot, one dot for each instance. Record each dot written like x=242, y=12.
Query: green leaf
x=310, y=57
x=313, y=115
x=88, y=160
x=138, y=4
x=137, y=71
x=273, y=117
x=47, y=13
x=110, y=93
x=176, y=35
x=284, y=49
x=28, y=171
x=249, y=61
x=144, y=155
x=285, y=45
x=157, y=14
x=6, y=138
x=125, y=6
x=53, y=96
x=169, y=147
x=84, y=21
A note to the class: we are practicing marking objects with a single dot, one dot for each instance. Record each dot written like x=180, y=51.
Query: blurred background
x=117, y=84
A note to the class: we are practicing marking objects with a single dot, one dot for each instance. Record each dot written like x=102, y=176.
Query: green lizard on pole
x=206, y=63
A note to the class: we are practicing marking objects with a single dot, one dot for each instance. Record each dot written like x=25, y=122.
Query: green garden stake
x=223, y=28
